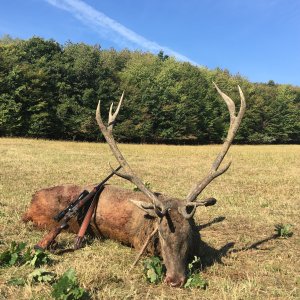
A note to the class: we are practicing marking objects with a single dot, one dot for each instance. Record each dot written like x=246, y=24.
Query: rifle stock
x=49, y=238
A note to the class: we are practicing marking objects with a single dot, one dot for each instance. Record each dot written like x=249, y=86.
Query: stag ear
x=146, y=207
x=188, y=210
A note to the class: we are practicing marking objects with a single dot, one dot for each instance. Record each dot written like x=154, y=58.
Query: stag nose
x=175, y=281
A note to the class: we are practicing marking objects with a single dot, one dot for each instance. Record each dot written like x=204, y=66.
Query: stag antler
x=129, y=174
x=235, y=122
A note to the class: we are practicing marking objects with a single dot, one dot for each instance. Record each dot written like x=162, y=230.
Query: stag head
x=178, y=234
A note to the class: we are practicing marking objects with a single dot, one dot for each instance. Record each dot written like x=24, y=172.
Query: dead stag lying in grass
x=130, y=217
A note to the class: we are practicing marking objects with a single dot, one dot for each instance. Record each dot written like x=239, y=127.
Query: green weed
x=67, y=288
x=154, y=270
x=41, y=275
x=37, y=276
x=195, y=279
x=38, y=258
x=17, y=281
x=13, y=256
x=17, y=255
x=284, y=230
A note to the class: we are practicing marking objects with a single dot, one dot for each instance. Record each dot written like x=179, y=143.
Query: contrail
x=110, y=28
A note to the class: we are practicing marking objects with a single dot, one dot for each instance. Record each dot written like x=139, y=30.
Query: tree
x=51, y=91
x=162, y=56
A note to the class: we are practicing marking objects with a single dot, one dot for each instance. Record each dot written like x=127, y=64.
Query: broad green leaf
x=16, y=281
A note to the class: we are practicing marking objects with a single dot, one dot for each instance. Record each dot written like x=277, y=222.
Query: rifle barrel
x=109, y=176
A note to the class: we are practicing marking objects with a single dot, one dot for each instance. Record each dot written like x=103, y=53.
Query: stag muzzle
x=175, y=281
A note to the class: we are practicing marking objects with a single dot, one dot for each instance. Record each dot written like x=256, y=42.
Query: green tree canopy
x=49, y=90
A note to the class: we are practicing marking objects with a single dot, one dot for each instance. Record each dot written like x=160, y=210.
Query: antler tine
x=230, y=104
x=111, y=116
x=235, y=122
x=243, y=103
x=129, y=174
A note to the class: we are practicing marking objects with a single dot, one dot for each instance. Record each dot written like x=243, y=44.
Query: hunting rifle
x=73, y=210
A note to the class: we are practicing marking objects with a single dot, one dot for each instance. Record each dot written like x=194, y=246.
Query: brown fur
x=46, y=203
x=116, y=217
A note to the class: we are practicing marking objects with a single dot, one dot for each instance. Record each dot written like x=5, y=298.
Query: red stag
x=140, y=214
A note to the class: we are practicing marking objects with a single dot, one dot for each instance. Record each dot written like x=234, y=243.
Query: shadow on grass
x=255, y=245
x=64, y=246
x=210, y=255
x=214, y=221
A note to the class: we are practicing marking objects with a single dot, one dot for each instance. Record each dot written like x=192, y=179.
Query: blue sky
x=260, y=39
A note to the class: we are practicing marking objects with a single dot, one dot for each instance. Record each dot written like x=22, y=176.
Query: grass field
x=261, y=189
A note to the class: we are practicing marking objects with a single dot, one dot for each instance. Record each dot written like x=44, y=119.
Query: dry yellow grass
x=260, y=190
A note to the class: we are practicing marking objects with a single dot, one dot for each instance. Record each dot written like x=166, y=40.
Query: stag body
x=117, y=218
x=130, y=218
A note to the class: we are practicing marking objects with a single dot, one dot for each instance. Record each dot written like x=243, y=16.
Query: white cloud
x=111, y=29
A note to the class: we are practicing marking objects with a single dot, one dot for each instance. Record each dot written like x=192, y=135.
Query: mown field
x=260, y=190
